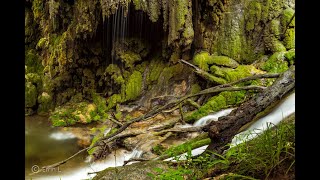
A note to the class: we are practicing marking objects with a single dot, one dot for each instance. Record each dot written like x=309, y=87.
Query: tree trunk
x=222, y=131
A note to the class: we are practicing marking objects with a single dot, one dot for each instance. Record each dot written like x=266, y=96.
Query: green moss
x=253, y=15
x=30, y=95
x=129, y=58
x=289, y=38
x=134, y=86
x=195, y=88
x=181, y=7
x=286, y=17
x=33, y=62
x=83, y=112
x=34, y=79
x=154, y=10
x=115, y=73
x=168, y=73
x=43, y=43
x=275, y=27
x=274, y=45
x=198, y=141
x=155, y=68
x=275, y=63
x=45, y=103
x=223, y=61
x=216, y=103
x=290, y=56
x=240, y=72
x=202, y=60
x=114, y=100
x=38, y=9
x=101, y=106
x=142, y=67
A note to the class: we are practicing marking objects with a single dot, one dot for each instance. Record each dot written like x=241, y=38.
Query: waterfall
x=212, y=117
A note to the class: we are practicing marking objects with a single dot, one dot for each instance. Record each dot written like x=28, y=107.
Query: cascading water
x=280, y=112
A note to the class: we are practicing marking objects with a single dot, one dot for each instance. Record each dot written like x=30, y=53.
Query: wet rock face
x=67, y=48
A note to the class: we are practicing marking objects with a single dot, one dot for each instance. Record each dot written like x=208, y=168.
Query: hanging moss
x=289, y=38
x=253, y=15
x=156, y=66
x=134, y=86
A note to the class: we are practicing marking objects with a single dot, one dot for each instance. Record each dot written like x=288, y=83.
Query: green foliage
x=274, y=148
x=271, y=152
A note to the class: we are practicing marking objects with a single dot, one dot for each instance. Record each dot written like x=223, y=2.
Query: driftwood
x=222, y=131
x=220, y=88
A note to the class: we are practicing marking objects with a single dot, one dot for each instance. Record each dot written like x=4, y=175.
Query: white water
x=82, y=172
x=62, y=135
x=212, y=117
x=283, y=110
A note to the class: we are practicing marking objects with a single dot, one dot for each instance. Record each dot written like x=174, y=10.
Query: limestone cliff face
x=73, y=48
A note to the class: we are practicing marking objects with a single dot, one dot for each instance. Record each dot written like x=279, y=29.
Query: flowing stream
x=46, y=145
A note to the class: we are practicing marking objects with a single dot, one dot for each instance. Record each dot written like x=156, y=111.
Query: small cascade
x=283, y=110
x=280, y=112
x=212, y=117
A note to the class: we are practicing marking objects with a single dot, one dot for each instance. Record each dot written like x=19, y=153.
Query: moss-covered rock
x=129, y=58
x=30, y=94
x=224, y=61
x=80, y=112
x=290, y=56
x=286, y=16
x=276, y=63
x=202, y=60
x=45, y=103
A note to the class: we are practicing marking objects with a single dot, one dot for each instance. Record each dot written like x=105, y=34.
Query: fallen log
x=224, y=87
x=222, y=131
